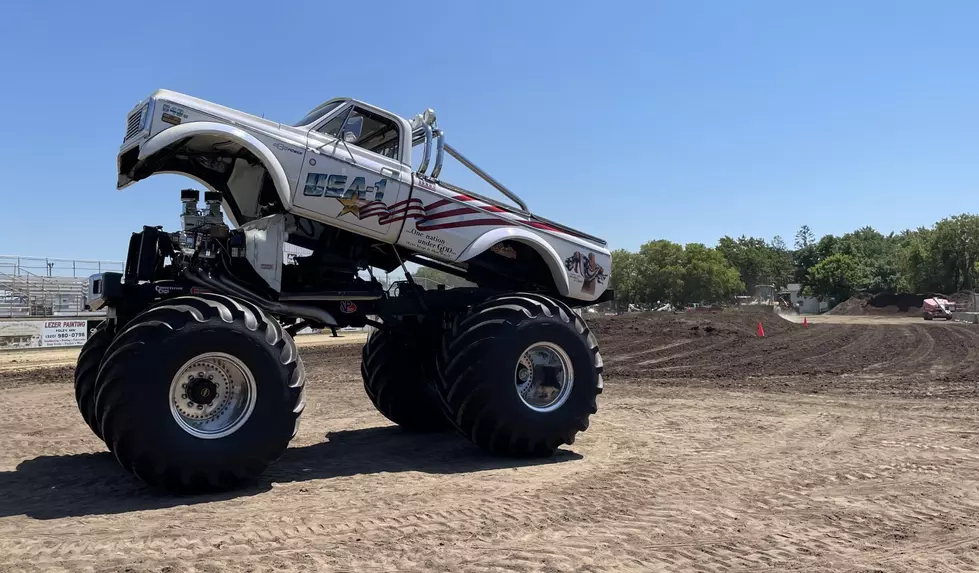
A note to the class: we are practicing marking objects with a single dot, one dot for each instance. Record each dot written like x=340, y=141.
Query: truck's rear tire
x=398, y=368
x=86, y=371
x=200, y=393
x=520, y=374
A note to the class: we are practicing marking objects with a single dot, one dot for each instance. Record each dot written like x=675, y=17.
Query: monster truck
x=194, y=381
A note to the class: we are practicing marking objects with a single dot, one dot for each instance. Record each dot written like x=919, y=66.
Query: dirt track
x=831, y=448
x=54, y=357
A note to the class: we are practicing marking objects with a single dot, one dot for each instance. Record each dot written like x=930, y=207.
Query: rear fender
x=174, y=134
x=553, y=260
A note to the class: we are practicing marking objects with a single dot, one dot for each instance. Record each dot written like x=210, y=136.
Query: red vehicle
x=936, y=307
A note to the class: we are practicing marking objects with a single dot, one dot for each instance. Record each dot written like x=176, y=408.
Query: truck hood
x=230, y=115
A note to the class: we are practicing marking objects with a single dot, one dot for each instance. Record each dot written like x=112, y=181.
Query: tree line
x=942, y=258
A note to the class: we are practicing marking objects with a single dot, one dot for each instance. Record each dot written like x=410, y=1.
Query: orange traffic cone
x=761, y=331
x=805, y=322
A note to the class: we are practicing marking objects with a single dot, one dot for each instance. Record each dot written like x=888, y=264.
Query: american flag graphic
x=445, y=214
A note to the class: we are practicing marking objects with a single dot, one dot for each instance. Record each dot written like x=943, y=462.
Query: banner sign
x=64, y=333
x=43, y=333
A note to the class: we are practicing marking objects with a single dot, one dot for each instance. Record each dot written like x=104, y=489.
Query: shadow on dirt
x=52, y=487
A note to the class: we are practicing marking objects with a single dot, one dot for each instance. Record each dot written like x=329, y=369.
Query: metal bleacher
x=38, y=287
x=43, y=287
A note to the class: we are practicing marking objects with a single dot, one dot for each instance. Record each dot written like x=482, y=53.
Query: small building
x=810, y=304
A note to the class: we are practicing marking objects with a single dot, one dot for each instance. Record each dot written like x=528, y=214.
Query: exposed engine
x=205, y=255
x=205, y=246
x=198, y=227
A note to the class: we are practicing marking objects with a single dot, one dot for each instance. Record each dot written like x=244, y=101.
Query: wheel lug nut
x=190, y=404
x=200, y=407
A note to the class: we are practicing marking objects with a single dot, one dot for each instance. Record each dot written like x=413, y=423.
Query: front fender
x=544, y=249
x=174, y=134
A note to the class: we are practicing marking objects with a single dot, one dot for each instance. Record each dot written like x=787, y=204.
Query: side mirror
x=352, y=128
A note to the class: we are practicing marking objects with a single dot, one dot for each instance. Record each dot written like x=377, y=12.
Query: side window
x=366, y=130
x=332, y=127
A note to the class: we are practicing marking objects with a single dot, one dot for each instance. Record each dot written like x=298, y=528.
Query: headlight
x=139, y=121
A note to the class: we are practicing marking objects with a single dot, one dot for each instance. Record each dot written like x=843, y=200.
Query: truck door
x=352, y=173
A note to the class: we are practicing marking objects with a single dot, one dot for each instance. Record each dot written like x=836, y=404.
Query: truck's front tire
x=86, y=371
x=200, y=393
x=398, y=368
x=520, y=375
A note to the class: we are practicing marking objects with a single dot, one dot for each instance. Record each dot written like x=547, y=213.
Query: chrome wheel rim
x=212, y=395
x=544, y=377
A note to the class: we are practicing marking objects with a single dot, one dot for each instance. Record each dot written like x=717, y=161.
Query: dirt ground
x=56, y=357
x=838, y=447
x=862, y=319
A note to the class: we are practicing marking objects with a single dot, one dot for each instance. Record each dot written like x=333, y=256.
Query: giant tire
x=477, y=368
x=141, y=423
x=86, y=371
x=398, y=368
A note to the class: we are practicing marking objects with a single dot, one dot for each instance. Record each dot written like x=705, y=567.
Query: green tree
x=749, y=256
x=758, y=261
x=659, y=272
x=806, y=253
x=837, y=278
x=827, y=246
x=804, y=237
x=707, y=276
x=782, y=266
x=955, y=250
x=624, y=278
x=918, y=267
x=877, y=254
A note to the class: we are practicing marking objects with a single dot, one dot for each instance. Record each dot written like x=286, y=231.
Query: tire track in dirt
x=969, y=361
x=853, y=337
x=750, y=356
x=633, y=356
x=896, y=358
x=592, y=499
x=924, y=347
x=801, y=350
x=682, y=355
x=672, y=477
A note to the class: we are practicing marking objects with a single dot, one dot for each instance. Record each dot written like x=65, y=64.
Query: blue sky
x=685, y=120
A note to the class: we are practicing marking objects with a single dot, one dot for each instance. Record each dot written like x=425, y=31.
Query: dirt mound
x=863, y=304
x=724, y=350
x=653, y=327
x=630, y=341
x=964, y=300
x=854, y=306
x=881, y=304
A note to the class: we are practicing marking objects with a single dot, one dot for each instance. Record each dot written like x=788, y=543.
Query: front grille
x=135, y=123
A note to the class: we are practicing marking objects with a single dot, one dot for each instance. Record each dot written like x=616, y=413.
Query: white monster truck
x=194, y=381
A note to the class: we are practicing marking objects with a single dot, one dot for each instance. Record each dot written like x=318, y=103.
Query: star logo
x=349, y=206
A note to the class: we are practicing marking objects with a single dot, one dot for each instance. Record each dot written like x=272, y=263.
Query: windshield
x=318, y=113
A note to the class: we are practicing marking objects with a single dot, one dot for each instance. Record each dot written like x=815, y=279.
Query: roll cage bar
x=424, y=128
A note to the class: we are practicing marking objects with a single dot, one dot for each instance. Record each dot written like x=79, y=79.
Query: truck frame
x=194, y=381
